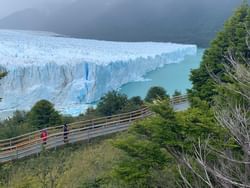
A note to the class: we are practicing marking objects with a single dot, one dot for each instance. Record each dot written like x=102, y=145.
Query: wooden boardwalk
x=31, y=143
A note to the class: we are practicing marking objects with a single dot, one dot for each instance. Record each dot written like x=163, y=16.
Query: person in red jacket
x=44, y=136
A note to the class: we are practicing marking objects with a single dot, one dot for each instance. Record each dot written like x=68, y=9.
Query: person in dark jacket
x=65, y=133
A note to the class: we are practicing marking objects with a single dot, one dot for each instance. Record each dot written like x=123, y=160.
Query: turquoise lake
x=171, y=77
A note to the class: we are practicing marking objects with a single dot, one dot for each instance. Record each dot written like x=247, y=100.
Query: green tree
x=156, y=93
x=231, y=39
x=176, y=93
x=133, y=104
x=136, y=101
x=112, y=103
x=144, y=156
x=14, y=126
x=163, y=136
x=2, y=74
x=144, y=149
x=90, y=113
x=228, y=164
x=43, y=115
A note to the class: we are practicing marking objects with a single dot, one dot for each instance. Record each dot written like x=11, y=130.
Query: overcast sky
x=9, y=6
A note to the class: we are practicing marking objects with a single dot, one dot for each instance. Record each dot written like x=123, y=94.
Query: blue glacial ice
x=73, y=72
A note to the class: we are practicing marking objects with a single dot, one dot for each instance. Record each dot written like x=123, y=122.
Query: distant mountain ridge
x=28, y=19
x=185, y=21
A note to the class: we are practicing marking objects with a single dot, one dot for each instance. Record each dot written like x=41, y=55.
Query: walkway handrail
x=71, y=124
x=174, y=100
x=179, y=99
x=9, y=147
x=30, y=147
x=26, y=137
x=77, y=130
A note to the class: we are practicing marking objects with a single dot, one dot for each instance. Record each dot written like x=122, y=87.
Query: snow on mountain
x=71, y=72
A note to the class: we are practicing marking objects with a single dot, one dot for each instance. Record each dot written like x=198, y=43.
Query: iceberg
x=74, y=72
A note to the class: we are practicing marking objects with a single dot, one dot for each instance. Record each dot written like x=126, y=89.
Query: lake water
x=171, y=77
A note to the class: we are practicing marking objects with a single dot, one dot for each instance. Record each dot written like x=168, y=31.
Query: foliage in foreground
x=231, y=39
x=151, y=145
x=206, y=150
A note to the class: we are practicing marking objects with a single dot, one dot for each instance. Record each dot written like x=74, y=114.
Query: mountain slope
x=28, y=19
x=192, y=21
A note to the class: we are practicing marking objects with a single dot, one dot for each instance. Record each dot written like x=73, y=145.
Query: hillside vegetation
x=73, y=166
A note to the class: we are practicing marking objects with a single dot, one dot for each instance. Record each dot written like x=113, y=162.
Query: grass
x=75, y=166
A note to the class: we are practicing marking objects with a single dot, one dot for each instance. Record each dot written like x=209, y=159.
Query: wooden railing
x=31, y=143
x=179, y=99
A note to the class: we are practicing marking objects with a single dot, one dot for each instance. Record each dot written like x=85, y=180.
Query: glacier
x=72, y=72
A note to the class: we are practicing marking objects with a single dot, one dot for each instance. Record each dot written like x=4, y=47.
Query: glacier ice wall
x=70, y=71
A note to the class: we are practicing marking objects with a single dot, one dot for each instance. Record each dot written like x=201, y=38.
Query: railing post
x=16, y=153
x=142, y=114
x=61, y=137
x=106, y=122
x=88, y=135
x=37, y=144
